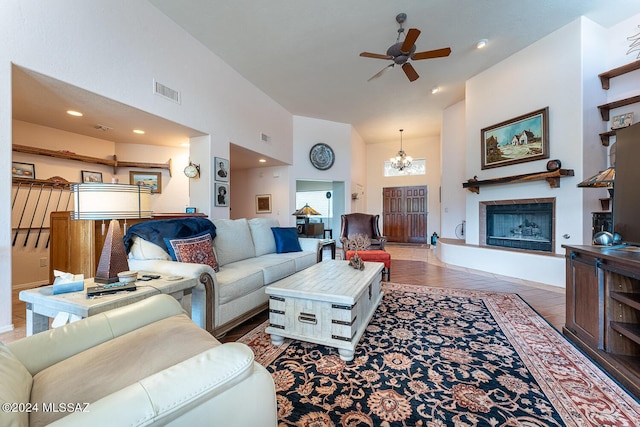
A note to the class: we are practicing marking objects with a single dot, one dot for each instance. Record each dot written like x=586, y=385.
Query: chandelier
x=401, y=161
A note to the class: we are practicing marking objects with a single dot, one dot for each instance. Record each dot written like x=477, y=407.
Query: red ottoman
x=377, y=256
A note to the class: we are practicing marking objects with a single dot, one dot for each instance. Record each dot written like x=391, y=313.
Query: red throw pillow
x=195, y=250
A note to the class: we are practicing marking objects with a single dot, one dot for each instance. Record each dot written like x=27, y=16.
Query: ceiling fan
x=401, y=52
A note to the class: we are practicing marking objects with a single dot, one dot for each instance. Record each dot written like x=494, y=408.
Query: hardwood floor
x=416, y=265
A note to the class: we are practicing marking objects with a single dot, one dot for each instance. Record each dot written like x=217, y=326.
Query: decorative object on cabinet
x=89, y=176
x=115, y=163
x=621, y=121
x=192, y=170
x=222, y=194
x=263, y=203
x=23, y=170
x=190, y=210
x=111, y=202
x=153, y=180
x=222, y=169
x=521, y=139
x=321, y=156
x=553, y=178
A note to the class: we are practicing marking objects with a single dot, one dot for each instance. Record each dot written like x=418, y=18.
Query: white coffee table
x=43, y=305
x=329, y=303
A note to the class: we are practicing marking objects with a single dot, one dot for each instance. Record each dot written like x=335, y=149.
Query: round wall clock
x=192, y=170
x=321, y=156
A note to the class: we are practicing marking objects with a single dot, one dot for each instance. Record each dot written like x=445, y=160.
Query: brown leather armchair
x=360, y=223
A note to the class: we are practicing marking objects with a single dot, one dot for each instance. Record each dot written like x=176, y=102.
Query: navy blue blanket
x=154, y=231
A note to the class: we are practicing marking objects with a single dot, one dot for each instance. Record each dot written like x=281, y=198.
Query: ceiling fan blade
x=375, y=55
x=410, y=40
x=381, y=72
x=438, y=53
x=410, y=72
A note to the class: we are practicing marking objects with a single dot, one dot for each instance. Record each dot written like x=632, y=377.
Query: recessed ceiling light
x=481, y=43
x=262, y=161
x=435, y=90
x=74, y=113
x=138, y=131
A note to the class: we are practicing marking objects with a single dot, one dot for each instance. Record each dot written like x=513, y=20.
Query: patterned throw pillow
x=196, y=249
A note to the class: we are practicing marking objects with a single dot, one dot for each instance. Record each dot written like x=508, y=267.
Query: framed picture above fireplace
x=522, y=139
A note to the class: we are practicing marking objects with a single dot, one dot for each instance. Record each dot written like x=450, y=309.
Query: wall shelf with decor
x=115, y=163
x=552, y=177
x=605, y=108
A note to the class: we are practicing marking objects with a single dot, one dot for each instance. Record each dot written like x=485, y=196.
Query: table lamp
x=99, y=201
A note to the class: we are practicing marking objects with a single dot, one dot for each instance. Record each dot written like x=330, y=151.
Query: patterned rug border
x=567, y=376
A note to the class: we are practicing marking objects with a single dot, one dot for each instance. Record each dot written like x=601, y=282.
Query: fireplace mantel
x=552, y=177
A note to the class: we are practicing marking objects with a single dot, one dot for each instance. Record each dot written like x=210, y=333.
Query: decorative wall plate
x=321, y=156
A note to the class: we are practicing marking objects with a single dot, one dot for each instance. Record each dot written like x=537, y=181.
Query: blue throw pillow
x=286, y=239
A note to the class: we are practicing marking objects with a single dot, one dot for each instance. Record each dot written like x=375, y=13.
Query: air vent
x=166, y=92
x=265, y=138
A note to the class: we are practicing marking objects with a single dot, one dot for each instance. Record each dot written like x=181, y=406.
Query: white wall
x=116, y=48
x=559, y=71
x=248, y=183
x=306, y=133
x=419, y=148
x=453, y=169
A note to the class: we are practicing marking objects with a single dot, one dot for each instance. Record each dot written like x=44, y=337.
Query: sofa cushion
x=301, y=260
x=118, y=363
x=15, y=388
x=196, y=249
x=233, y=241
x=262, y=236
x=275, y=267
x=143, y=249
x=238, y=279
x=286, y=239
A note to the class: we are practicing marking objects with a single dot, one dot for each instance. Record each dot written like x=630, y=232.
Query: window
x=317, y=200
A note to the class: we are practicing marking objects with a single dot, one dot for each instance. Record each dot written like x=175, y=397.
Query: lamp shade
x=110, y=201
x=603, y=179
x=306, y=210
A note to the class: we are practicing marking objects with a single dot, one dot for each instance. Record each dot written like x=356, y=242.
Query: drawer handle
x=307, y=318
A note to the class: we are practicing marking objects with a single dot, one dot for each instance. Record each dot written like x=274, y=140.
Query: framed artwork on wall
x=521, y=139
x=263, y=203
x=89, y=176
x=221, y=194
x=222, y=169
x=23, y=170
x=150, y=179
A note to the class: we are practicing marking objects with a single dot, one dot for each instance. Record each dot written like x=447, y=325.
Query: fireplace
x=526, y=224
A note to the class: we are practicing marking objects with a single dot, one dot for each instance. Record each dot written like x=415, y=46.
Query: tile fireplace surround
x=528, y=227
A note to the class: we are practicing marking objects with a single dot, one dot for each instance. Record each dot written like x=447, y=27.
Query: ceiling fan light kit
x=401, y=161
x=403, y=51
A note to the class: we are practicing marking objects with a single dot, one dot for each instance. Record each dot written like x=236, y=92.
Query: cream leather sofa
x=145, y=364
x=246, y=253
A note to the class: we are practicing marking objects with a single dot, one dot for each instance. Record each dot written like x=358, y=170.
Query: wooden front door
x=404, y=214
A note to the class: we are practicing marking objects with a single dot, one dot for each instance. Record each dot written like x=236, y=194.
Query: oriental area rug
x=437, y=357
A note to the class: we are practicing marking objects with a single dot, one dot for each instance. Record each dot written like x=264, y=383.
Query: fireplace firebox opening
x=525, y=224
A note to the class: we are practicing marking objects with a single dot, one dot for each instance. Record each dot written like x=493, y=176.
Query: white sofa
x=246, y=254
x=145, y=364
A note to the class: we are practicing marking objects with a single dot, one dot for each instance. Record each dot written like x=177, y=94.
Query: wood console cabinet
x=603, y=309
x=75, y=246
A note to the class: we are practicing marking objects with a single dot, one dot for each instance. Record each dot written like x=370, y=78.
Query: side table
x=42, y=304
x=323, y=243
